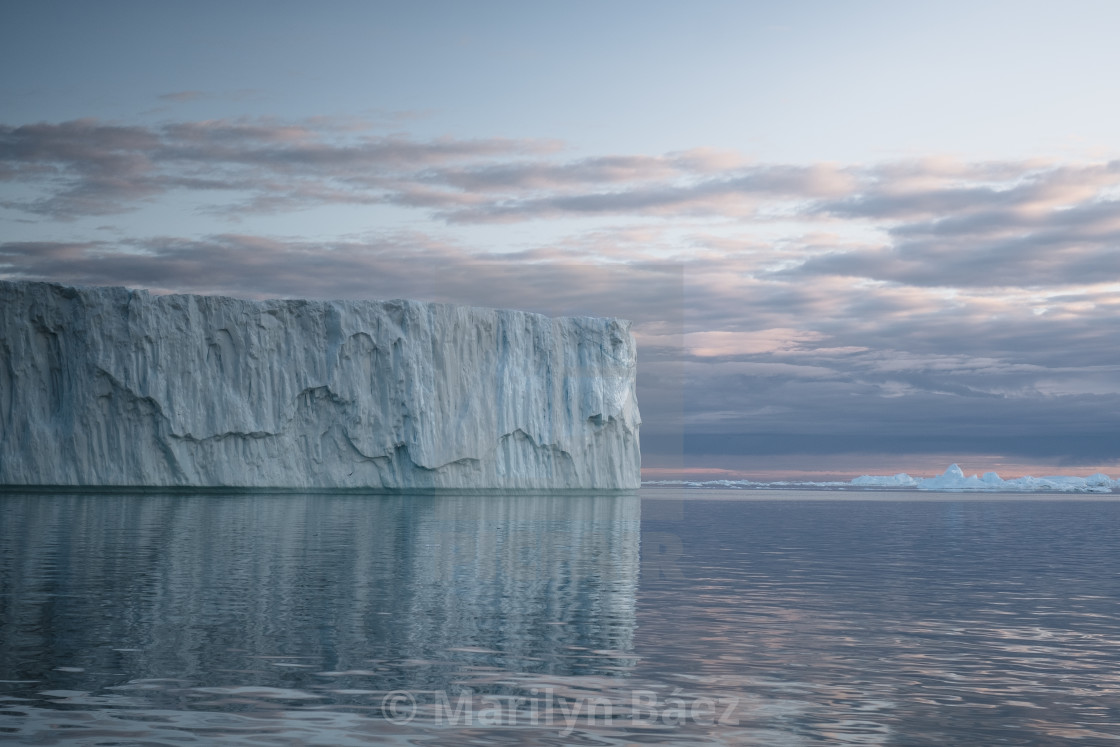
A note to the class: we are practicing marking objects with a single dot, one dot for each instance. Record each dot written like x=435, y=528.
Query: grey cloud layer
x=941, y=222
x=394, y=265
x=90, y=168
x=909, y=304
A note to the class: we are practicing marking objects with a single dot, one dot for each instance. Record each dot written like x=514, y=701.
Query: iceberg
x=952, y=480
x=901, y=480
x=116, y=387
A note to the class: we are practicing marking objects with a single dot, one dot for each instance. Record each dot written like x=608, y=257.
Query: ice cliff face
x=106, y=386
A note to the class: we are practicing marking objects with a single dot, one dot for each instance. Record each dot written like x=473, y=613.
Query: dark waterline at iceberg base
x=771, y=618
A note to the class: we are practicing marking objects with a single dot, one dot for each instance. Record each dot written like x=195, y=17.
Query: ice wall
x=106, y=386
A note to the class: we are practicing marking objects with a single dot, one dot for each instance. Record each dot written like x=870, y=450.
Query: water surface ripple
x=780, y=619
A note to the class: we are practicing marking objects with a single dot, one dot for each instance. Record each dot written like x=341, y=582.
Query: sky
x=857, y=237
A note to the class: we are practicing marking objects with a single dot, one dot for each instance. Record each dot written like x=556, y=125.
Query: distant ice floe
x=952, y=480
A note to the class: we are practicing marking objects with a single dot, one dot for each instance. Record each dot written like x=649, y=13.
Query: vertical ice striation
x=107, y=386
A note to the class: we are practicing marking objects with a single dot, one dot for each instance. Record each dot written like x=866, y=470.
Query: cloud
x=735, y=193
x=86, y=167
x=391, y=265
x=181, y=96
x=712, y=343
x=930, y=222
x=1075, y=245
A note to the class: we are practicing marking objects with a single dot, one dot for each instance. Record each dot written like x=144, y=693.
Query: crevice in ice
x=402, y=451
x=518, y=433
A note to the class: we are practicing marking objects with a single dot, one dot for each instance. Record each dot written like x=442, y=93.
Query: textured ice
x=901, y=480
x=952, y=480
x=106, y=386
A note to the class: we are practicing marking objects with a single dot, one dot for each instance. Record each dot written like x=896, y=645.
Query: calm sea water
x=781, y=618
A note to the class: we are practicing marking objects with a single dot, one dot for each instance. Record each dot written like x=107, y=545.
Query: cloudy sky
x=852, y=236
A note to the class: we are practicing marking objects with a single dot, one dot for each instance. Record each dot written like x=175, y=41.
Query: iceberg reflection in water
x=174, y=617
x=779, y=618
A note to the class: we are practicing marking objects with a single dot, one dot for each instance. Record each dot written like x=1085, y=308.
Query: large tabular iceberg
x=111, y=387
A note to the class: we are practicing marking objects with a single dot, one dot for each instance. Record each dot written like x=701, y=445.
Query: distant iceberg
x=901, y=480
x=953, y=480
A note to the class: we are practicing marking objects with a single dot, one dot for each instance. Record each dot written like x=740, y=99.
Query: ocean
x=671, y=616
